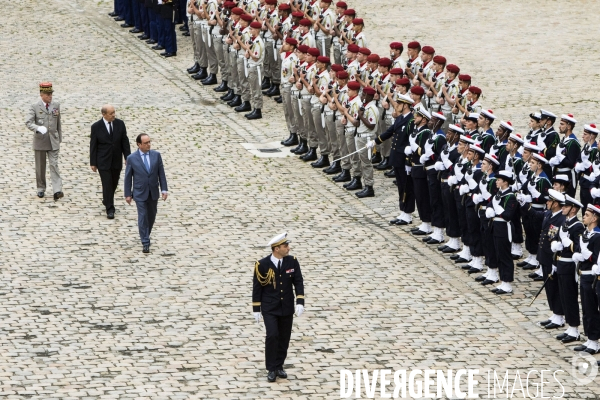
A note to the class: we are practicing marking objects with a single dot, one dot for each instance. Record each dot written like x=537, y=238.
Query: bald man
x=109, y=144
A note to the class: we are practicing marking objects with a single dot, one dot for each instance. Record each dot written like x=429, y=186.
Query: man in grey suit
x=145, y=173
x=43, y=119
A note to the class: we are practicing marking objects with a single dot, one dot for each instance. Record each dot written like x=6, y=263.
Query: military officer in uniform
x=43, y=120
x=273, y=297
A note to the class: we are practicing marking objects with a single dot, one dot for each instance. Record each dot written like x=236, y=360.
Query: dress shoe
x=454, y=257
x=222, y=88
x=488, y=282
x=110, y=215
x=461, y=260
x=135, y=30
x=201, y=74
x=265, y=91
x=194, y=68
x=419, y=232
x=211, y=79
x=384, y=164
x=366, y=192
x=344, y=176
x=126, y=25
x=466, y=267
x=502, y=291
x=228, y=96
x=403, y=222
x=516, y=257
x=591, y=351
x=521, y=264
x=390, y=174
x=414, y=229
x=538, y=278
x=433, y=241
x=157, y=47
x=58, y=195
x=581, y=347
x=494, y=290
x=376, y=159
x=448, y=250
x=532, y=275
x=393, y=221
x=119, y=19
x=302, y=147
x=167, y=54
x=442, y=247
x=288, y=138
x=281, y=373
x=236, y=101
x=146, y=248
x=334, y=168
x=425, y=239
x=291, y=141
x=274, y=91
x=271, y=376
x=322, y=162
x=151, y=41
x=552, y=325
x=278, y=100
x=245, y=106
x=266, y=83
x=144, y=37
x=354, y=184
x=186, y=33
x=561, y=336
x=256, y=114
x=112, y=14
x=311, y=155
x=528, y=267
x=480, y=278
x=473, y=270
x=546, y=322
x=183, y=28
x=394, y=182
x=40, y=194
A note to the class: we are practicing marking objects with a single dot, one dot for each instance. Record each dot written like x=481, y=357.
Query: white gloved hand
x=554, y=161
x=556, y=246
x=407, y=150
x=370, y=144
x=595, y=192
x=299, y=309
x=452, y=180
x=560, y=157
x=578, y=257
x=591, y=176
x=257, y=316
x=439, y=166
x=423, y=158
x=516, y=187
x=564, y=237
x=464, y=189
x=489, y=213
x=498, y=209
x=596, y=269
x=477, y=198
x=42, y=129
x=447, y=163
x=554, y=269
x=527, y=198
x=407, y=169
x=585, y=156
x=444, y=156
x=534, y=193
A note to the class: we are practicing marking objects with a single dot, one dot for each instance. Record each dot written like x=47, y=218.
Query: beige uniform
x=242, y=67
x=353, y=105
x=255, y=66
x=340, y=131
x=212, y=35
x=322, y=81
x=288, y=61
x=324, y=39
x=363, y=134
x=307, y=108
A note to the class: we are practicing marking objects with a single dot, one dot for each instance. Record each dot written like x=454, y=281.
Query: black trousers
x=589, y=307
x=518, y=229
x=532, y=234
x=277, y=341
x=435, y=200
x=506, y=266
x=406, y=192
x=110, y=182
x=552, y=290
x=568, y=297
x=450, y=213
x=586, y=197
x=473, y=229
x=422, y=198
x=489, y=248
x=462, y=217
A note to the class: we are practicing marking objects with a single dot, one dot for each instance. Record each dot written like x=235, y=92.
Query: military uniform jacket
x=501, y=226
x=574, y=228
x=436, y=143
x=591, y=152
x=399, y=133
x=422, y=135
x=39, y=116
x=272, y=291
x=592, y=241
x=550, y=226
x=453, y=156
x=488, y=189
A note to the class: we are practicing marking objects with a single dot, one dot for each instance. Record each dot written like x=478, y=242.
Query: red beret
x=291, y=41
x=341, y=4
x=465, y=77
x=353, y=85
x=439, y=60
x=417, y=90
x=256, y=25
x=373, y=58
x=326, y=1
x=337, y=67
x=271, y=2
x=385, y=62
x=365, y=51
x=350, y=11
x=313, y=51
x=396, y=46
x=474, y=90
x=414, y=45
x=323, y=59
x=369, y=90
x=305, y=22
x=284, y=6
x=396, y=71
x=402, y=81
x=298, y=14
x=246, y=17
x=229, y=4
x=428, y=50
x=353, y=48
x=342, y=74
x=237, y=11
x=357, y=21
x=453, y=68
x=303, y=48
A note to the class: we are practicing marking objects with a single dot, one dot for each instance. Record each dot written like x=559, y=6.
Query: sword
x=542, y=288
x=348, y=155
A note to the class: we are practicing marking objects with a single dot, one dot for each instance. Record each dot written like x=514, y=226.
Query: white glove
x=591, y=177
x=257, y=316
x=464, y=189
x=516, y=187
x=299, y=309
x=595, y=192
x=407, y=169
x=439, y=166
x=556, y=246
x=42, y=129
x=534, y=193
x=554, y=269
x=447, y=163
x=560, y=157
x=554, y=161
x=477, y=198
x=370, y=144
x=452, y=180
x=527, y=198
x=407, y=150
x=585, y=253
x=489, y=213
x=578, y=257
x=596, y=269
x=498, y=209
x=444, y=156
x=423, y=158
x=585, y=156
x=564, y=237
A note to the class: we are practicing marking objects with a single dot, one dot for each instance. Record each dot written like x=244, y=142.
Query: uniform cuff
x=256, y=306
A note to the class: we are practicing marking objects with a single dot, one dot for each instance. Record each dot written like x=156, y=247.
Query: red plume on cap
x=457, y=125
x=519, y=135
x=490, y=111
x=570, y=115
x=593, y=126
x=467, y=136
x=493, y=156
x=508, y=122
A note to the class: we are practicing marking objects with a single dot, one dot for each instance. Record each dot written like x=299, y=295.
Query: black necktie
x=278, y=265
x=110, y=131
x=47, y=105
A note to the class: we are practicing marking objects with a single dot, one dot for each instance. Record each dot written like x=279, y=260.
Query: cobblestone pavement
x=84, y=314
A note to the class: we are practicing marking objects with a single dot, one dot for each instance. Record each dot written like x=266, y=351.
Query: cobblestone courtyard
x=84, y=314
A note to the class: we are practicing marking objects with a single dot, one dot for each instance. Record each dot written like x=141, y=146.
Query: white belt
x=565, y=259
x=444, y=180
x=498, y=219
x=363, y=135
x=430, y=167
x=269, y=40
x=483, y=208
x=538, y=206
x=563, y=169
x=216, y=36
x=242, y=56
x=588, y=272
x=287, y=85
x=307, y=96
x=328, y=112
x=417, y=165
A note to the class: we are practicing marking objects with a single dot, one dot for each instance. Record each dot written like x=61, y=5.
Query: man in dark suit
x=108, y=145
x=145, y=173
x=272, y=295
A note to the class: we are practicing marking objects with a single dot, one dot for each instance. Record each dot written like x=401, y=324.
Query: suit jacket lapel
x=42, y=106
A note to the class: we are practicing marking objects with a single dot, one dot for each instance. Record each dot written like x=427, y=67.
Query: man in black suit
x=108, y=145
x=272, y=295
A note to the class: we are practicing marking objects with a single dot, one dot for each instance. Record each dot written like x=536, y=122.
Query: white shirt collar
x=275, y=260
